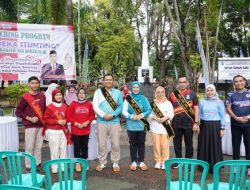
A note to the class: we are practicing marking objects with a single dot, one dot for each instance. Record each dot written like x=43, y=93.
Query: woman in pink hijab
x=159, y=134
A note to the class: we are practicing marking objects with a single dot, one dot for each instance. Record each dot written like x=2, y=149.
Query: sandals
x=100, y=167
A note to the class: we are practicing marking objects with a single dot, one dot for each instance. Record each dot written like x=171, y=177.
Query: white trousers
x=57, y=144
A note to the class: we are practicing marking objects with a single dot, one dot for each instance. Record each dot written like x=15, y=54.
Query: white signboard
x=45, y=51
x=229, y=67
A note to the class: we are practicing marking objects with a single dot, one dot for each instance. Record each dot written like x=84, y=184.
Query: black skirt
x=209, y=143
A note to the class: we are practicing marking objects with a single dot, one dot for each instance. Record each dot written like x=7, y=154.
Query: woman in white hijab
x=48, y=93
x=212, y=125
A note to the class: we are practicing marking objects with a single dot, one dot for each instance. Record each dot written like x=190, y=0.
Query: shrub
x=15, y=91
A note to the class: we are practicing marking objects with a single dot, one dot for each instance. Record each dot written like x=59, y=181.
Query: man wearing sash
x=31, y=109
x=186, y=117
x=108, y=103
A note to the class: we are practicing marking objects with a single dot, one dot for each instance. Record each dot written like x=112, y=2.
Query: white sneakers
x=248, y=171
x=158, y=165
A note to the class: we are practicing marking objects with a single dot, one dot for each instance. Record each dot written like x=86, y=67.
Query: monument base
x=142, y=71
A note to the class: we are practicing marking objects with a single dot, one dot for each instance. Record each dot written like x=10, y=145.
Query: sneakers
x=78, y=167
x=158, y=165
x=133, y=166
x=248, y=171
x=116, y=168
x=163, y=166
x=100, y=167
x=143, y=166
x=54, y=170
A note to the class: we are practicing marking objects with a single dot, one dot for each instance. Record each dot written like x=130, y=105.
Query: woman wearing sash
x=80, y=114
x=159, y=134
x=135, y=127
x=212, y=125
x=55, y=119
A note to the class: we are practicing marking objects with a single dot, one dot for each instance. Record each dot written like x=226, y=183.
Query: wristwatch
x=196, y=122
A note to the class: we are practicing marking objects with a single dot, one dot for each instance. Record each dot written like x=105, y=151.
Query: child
x=80, y=114
x=56, y=127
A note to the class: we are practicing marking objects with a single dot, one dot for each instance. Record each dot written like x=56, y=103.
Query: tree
x=57, y=11
x=8, y=11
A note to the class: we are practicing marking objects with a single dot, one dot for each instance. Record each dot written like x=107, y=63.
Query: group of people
x=179, y=116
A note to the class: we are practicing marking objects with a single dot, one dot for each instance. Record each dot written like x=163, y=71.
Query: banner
x=230, y=67
x=202, y=55
x=45, y=51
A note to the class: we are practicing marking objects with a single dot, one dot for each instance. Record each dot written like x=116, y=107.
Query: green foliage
x=15, y=91
x=8, y=10
x=194, y=60
x=57, y=13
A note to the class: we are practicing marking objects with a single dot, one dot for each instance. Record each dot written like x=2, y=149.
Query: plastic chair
x=66, y=181
x=237, y=175
x=16, y=187
x=1, y=112
x=11, y=163
x=186, y=174
x=19, y=119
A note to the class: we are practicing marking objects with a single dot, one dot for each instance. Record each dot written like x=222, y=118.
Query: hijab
x=125, y=91
x=48, y=93
x=138, y=96
x=78, y=91
x=215, y=97
x=159, y=99
x=54, y=101
x=70, y=96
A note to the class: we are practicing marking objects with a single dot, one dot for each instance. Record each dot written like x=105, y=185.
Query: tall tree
x=57, y=12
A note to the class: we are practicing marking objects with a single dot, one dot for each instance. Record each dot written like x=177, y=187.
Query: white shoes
x=248, y=171
x=54, y=170
x=158, y=165
x=163, y=166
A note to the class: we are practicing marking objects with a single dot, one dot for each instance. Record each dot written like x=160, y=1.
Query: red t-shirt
x=53, y=114
x=80, y=112
x=181, y=119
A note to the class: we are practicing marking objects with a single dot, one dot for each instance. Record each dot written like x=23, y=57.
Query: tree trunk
x=69, y=12
x=216, y=42
x=79, y=39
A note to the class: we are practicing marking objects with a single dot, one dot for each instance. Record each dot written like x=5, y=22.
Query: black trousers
x=237, y=133
x=188, y=139
x=137, y=145
x=81, y=146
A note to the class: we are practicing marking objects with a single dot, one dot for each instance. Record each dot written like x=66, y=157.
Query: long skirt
x=209, y=143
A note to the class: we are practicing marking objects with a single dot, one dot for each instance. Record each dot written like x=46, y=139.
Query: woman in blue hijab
x=135, y=127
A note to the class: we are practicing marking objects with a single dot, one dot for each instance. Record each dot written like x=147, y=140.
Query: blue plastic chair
x=237, y=179
x=11, y=163
x=66, y=179
x=17, y=187
x=186, y=174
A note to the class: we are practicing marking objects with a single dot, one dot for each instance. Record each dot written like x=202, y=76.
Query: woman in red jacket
x=56, y=127
x=80, y=114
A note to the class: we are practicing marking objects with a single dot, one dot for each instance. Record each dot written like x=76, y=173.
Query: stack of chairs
x=13, y=176
x=237, y=178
